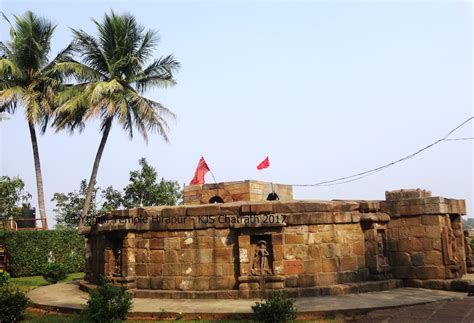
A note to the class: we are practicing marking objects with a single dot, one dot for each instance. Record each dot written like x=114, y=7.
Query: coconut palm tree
x=27, y=79
x=113, y=77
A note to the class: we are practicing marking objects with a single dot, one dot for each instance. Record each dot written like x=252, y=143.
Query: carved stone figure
x=260, y=265
x=381, y=252
x=449, y=246
x=468, y=252
x=118, y=262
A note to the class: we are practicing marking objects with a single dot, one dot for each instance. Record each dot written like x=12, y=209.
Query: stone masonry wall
x=212, y=250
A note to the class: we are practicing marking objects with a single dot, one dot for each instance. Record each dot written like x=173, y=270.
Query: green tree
x=69, y=206
x=27, y=78
x=12, y=197
x=144, y=188
x=114, y=78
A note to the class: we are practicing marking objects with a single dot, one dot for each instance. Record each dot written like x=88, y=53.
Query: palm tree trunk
x=39, y=177
x=95, y=168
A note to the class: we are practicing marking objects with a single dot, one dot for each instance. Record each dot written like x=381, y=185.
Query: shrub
x=29, y=251
x=12, y=303
x=276, y=308
x=4, y=277
x=54, y=272
x=107, y=303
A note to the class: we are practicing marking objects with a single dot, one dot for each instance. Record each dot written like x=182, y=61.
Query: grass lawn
x=27, y=283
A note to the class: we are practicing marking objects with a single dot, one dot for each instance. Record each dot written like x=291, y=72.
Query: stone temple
x=244, y=239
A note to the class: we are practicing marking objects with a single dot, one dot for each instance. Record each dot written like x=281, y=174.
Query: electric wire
x=355, y=177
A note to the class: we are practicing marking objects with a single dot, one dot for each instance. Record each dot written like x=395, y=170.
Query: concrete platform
x=68, y=298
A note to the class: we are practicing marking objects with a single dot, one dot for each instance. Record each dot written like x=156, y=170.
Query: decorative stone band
x=270, y=214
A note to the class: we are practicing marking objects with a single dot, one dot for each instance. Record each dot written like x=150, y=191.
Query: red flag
x=264, y=164
x=200, y=172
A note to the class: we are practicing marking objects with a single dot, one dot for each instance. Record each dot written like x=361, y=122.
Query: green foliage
x=54, y=272
x=12, y=197
x=107, y=303
x=29, y=251
x=472, y=245
x=4, y=277
x=276, y=308
x=69, y=206
x=13, y=303
x=144, y=190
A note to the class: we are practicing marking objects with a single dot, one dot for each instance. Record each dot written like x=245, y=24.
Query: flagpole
x=270, y=174
x=210, y=171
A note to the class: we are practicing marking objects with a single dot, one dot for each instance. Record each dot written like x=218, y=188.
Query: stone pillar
x=128, y=260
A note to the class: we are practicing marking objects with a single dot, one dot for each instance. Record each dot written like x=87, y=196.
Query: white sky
x=326, y=89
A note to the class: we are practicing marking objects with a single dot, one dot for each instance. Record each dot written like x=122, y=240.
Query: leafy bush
x=107, y=303
x=12, y=303
x=54, y=272
x=276, y=308
x=4, y=277
x=472, y=245
x=29, y=251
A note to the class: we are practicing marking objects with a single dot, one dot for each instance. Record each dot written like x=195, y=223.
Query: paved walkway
x=461, y=311
x=69, y=296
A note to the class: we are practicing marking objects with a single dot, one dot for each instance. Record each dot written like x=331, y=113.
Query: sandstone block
x=312, y=266
x=143, y=282
x=410, y=245
x=142, y=256
x=328, y=250
x=156, y=283
x=293, y=267
x=187, y=256
x=348, y=263
x=155, y=270
x=171, y=269
x=278, y=252
x=204, y=269
x=172, y=244
x=141, y=269
x=307, y=280
x=320, y=218
x=217, y=283
x=143, y=243
x=294, y=239
x=223, y=255
x=171, y=256
x=295, y=252
x=430, y=272
x=434, y=258
x=176, y=211
x=157, y=243
x=326, y=279
x=400, y=259
x=329, y=265
x=204, y=256
x=358, y=248
x=168, y=283
x=342, y=217
x=201, y=283
x=418, y=259
x=203, y=210
x=205, y=242
x=430, y=219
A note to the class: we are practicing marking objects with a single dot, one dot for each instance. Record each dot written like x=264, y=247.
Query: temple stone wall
x=239, y=249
